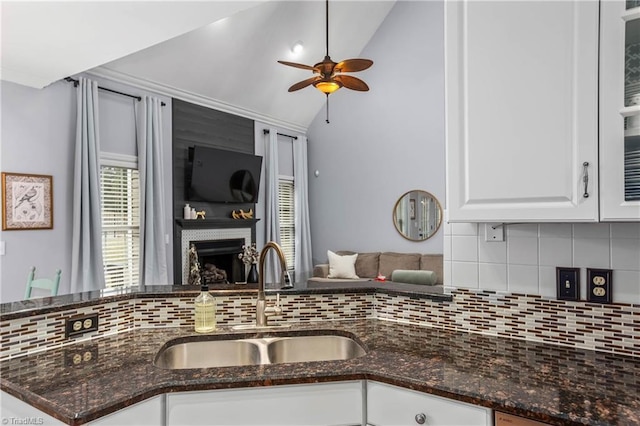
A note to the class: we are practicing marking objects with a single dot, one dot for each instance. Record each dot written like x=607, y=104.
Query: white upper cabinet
x=522, y=111
x=620, y=111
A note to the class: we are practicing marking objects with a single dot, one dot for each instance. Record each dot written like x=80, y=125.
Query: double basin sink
x=204, y=352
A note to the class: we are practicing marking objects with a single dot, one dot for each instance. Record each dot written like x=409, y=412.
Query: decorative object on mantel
x=250, y=257
x=194, y=266
x=27, y=201
x=201, y=214
x=241, y=214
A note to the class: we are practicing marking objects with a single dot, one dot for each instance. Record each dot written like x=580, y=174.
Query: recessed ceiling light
x=297, y=47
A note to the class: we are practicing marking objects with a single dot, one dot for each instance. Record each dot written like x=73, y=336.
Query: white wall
x=382, y=143
x=38, y=136
x=526, y=261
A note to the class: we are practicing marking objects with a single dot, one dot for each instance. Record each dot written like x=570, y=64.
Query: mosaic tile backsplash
x=610, y=328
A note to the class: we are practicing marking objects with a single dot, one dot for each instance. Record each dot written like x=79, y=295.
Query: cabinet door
x=318, y=404
x=521, y=94
x=619, y=112
x=391, y=405
x=145, y=413
x=13, y=409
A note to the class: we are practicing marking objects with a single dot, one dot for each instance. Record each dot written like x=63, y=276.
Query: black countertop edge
x=27, y=308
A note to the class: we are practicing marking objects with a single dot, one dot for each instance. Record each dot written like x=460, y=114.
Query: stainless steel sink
x=313, y=348
x=208, y=353
x=271, y=350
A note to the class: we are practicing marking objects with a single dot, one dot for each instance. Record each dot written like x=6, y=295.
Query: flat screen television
x=221, y=176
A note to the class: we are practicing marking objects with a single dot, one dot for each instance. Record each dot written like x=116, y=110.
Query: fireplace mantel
x=216, y=223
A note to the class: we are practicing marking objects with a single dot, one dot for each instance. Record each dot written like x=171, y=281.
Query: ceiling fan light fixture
x=327, y=86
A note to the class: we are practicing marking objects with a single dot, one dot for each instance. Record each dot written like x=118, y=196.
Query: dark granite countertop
x=558, y=385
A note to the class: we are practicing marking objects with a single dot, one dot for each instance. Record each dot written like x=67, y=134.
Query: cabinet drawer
x=391, y=405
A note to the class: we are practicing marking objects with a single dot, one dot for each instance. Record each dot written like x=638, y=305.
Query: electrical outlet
x=76, y=326
x=568, y=283
x=493, y=232
x=599, y=285
x=81, y=356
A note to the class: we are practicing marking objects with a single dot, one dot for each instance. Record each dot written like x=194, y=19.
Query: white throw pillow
x=342, y=266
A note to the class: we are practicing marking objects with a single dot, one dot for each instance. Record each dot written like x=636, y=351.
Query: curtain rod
x=138, y=98
x=280, y=134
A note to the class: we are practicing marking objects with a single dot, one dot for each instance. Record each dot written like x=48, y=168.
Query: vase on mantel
x=252, y=277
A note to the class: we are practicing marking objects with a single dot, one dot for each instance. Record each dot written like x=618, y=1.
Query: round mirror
x=417, y=215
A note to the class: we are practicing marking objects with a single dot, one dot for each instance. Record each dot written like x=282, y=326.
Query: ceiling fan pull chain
x=327, y=108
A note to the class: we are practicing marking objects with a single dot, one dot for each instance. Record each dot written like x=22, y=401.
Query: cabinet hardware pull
x=420, y=418
x=585, y=178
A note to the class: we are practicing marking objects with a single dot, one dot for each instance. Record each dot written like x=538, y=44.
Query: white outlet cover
x=493, y=232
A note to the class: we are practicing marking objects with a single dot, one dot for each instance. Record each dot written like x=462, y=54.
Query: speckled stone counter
x=558, y=385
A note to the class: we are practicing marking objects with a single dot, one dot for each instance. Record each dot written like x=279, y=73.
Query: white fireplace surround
x=190, y=235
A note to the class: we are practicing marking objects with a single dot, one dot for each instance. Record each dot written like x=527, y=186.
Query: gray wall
x=38, y=136
x=37, y=133
x=384, y=142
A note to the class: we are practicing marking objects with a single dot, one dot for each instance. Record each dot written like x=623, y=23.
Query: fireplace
x=215, y=241
x=219, y=261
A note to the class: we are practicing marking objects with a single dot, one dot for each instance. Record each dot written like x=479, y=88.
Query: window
x=120, y=205
x=287, y=219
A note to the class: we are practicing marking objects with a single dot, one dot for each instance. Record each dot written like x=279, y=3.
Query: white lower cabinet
x=392, y=405
x=145, y=413
x=16, y=411
x=323, y=404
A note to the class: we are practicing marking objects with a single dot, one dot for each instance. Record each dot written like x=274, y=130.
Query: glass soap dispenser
x=205, y=311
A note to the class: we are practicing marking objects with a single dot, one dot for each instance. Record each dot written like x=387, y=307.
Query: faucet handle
x=275, y=309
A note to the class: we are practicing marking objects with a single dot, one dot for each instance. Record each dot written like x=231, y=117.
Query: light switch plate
x=568, y=283
x=599, y=284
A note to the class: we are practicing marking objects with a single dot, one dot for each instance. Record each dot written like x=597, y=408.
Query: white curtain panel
x=272, y=217
x=153, y=250
x=303, y=259
x=87, y=270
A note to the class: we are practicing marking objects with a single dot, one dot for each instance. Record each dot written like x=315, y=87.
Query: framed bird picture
x=27, y=201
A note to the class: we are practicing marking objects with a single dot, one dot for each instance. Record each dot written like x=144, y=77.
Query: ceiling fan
x=330, y=75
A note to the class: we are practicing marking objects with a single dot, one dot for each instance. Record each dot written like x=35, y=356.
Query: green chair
x=42, y=283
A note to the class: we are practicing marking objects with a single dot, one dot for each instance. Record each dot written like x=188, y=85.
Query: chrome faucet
x=262, y=310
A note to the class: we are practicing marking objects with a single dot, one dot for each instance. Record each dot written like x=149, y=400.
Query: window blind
x=120, y=190
x=287, y=220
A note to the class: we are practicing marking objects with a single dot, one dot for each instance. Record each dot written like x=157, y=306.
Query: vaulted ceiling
x=214, y=52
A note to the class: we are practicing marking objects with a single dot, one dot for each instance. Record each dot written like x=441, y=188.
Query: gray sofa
x=369, y=265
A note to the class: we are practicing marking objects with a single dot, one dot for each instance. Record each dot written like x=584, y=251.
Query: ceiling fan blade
x=353, y=65
x=295, y=65
x=352, y=83
x=304, y=83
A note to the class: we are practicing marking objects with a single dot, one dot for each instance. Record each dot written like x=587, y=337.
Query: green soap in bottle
x=205, y=311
